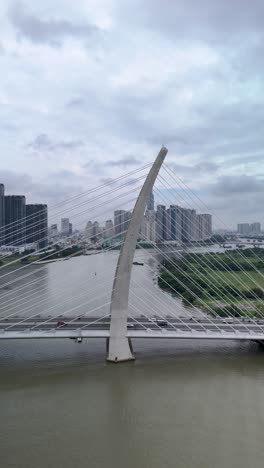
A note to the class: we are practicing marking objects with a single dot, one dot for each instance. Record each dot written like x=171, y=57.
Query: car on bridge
x=60, y=323
x=162, y=323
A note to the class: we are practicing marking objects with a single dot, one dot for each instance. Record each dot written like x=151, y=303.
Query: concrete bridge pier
x=120, y=348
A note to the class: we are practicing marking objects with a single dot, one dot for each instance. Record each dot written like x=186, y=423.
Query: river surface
x=180, y=404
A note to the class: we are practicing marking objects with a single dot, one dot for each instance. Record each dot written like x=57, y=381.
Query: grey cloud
x=200, y=168
x=112, y=182
x=38, y=191
x=64, y=174
x=76, y=102
x=123, y=162
x=16, y=183
x=132, y=181
x=108, y=181
x=247, y=159
x=231, y=199
x=94, y=168
x=43, y=143
x=222, y=133
x=238, y=185
x=50, y=31
x=8, y=127
x=210, y=117
x=206, y=167
x=205, y=20
x=103, y=166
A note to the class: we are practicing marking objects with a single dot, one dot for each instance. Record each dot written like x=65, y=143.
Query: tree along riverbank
x=227, y=283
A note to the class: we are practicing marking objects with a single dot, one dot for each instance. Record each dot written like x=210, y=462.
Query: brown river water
x=186, y=404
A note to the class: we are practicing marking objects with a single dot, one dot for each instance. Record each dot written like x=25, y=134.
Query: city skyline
x=22, y=223
x=173, y=223
x=163, y=224
x=161, y=194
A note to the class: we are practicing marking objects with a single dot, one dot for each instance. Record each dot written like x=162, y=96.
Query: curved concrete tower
x=119, y=347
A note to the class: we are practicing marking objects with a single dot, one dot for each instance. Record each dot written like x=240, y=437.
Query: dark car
x=60, y=323
x=162, y=323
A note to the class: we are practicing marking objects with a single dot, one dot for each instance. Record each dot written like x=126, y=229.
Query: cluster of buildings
x=246, y=229
x=25, y=226
x=176, y=224
x=22, y=224
x=94, y=231
x=66, y=229
x=163, y=224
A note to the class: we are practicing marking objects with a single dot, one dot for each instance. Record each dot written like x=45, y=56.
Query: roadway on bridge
x=95, y=323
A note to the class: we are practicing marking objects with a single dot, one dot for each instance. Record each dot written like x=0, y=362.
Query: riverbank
x=224, y=283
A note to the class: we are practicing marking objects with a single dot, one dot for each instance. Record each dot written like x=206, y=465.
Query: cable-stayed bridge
x=105, y=296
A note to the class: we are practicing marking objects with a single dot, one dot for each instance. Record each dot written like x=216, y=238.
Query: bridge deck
x=217, y=329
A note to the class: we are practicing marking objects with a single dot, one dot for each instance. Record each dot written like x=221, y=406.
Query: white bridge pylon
x=119, y=346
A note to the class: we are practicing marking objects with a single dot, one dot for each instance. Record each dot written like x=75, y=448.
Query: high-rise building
x=65, y=226
x=89, y=230
x=151, y=219
x=15, y=222
x=174, y=223
x=150, y=202
x=96, y=229
x=147, y=230
x=255, y=228
x=109, y=230
x=53, y=230
x=243, y=229
x=161, y=223
x=37, y=225
x=2, y=214
x=204, y=226
x=118, y=220
x=70, y=229
x=189, y=225
x=121, y=220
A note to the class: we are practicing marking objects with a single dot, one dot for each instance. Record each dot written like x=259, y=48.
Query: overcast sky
x=90, y=89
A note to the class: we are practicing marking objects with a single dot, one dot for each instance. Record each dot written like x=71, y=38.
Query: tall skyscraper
x=65, y=226
x=53, y=230
x=37, y=225
x=161, y=225
x=15, y=213
x=243, y=229
x=189, y=225
x=150, y=202
x=127, y=218
x=89, y=230
x=109, y=231
x=174, y=223
x=121, y=220
x=96, y=229
x=255, y=228
x=204, y=226
x=118, y=219
x=2, y=214
x=147, y=230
